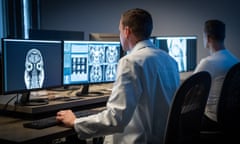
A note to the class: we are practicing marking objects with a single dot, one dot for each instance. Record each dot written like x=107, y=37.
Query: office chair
x=228, y=110
x=184, y=118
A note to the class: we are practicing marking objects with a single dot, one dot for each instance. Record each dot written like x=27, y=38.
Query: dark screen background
x=14, y=63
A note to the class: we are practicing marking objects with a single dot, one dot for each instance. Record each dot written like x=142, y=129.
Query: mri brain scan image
x=112, y=54
x=34, y=69
x=96, y=54
x=110, y=72
x=96, y=73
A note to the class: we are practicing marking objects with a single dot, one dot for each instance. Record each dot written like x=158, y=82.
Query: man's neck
x=217, y=46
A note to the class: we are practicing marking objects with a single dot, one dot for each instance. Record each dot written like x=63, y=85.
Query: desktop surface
x=185, y=75
x=59, y=100
x=13, y=130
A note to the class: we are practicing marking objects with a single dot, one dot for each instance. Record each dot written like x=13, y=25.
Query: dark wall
x=171, y=17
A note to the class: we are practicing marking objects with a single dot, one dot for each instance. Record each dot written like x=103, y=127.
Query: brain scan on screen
x=96, y=54
x=110, y=73
x=34, y=69
x=92, y=61
x=96, y=73
x=112, y=54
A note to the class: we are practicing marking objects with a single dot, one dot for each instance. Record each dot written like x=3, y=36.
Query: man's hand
x=67, y=117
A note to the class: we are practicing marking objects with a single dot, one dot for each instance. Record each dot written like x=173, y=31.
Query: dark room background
x=171, y=17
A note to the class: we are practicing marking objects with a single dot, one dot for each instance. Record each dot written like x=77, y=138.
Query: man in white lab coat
x=147, y=78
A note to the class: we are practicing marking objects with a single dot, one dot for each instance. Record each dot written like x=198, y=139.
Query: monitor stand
x=85, y=92
x=26, y=101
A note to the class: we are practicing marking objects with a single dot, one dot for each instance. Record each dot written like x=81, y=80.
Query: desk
x=57, y=104
x=185, y=75
x=12, y=130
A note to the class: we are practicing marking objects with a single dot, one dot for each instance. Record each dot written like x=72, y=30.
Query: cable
x=6, y=105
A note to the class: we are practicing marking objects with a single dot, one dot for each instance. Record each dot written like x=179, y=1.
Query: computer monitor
x=90, y=62
x=30, y=65
x=47, y=34
x=104, y=37
x=51, y=34
x=182, y=48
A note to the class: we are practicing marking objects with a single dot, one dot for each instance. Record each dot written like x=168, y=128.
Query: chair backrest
x=228, y=111
x=184, y=119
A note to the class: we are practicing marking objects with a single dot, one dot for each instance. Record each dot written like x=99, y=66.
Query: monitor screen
x=90, y=62
x=182, y=48
x=31, y=65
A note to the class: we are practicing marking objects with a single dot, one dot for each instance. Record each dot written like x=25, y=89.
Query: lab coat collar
x=142, y=44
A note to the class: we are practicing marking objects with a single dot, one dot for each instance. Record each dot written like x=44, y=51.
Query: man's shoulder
x=206, y=60
x=205, y=64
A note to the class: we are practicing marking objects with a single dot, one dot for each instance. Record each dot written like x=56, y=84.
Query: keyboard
x=51, y=121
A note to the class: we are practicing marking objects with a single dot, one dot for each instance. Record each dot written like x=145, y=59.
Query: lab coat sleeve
x=120, y=106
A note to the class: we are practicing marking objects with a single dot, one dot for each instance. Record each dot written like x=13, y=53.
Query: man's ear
x=209, y=39
x=127, y=31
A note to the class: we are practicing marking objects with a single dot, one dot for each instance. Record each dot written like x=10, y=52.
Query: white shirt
x=137, y=109
x=217, y=65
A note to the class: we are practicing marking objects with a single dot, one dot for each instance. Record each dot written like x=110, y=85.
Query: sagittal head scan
x=34, y=70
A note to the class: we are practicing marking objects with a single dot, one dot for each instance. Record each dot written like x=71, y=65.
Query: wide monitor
x=182, y=48
x=90, y=62
x=104, y=37
x=47, y=34
x=30, y=65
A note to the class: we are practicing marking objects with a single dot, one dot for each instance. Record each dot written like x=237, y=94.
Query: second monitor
x=90, y=62
x=182, y=48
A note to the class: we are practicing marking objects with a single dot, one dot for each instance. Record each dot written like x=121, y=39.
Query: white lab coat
x=137, y=109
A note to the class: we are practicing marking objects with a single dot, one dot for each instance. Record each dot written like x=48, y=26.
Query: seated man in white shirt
x=217, y=64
